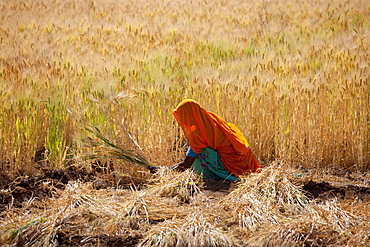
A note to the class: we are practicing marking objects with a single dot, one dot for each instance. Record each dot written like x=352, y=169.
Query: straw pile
x=174, y=209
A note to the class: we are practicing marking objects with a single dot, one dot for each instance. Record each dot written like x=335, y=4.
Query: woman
x=217, y=149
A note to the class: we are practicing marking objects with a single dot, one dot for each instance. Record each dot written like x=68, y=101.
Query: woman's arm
x=186, y=163
x=182, y=166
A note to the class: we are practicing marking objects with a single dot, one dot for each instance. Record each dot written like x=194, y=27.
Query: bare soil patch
x=214, y=190
x=71, y=239
x=326, y=191
x=46, y=184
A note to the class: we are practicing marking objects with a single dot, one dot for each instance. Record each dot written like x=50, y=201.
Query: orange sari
x=206, y=129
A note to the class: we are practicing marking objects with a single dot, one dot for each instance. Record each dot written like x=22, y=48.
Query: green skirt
x=209, y=166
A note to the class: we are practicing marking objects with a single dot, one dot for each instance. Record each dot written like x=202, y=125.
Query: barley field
x=85, y=81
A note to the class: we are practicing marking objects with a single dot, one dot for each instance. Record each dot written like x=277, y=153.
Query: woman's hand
x=182, y=166
x=185, y=164
x=178, y=166
x=153, y=169
x=174, y=167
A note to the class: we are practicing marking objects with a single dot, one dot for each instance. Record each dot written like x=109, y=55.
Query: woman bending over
x=217, y=149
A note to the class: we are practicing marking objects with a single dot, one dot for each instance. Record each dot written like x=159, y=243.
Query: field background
x=292, y=75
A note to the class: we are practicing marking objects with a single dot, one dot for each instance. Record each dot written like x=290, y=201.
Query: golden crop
x=293, y=76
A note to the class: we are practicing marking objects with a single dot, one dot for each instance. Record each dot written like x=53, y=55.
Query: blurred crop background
x=292, y=75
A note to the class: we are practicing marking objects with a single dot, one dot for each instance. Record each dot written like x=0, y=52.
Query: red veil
x=206, y=129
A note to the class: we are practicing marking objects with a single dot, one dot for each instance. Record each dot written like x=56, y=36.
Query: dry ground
x=82, y=207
